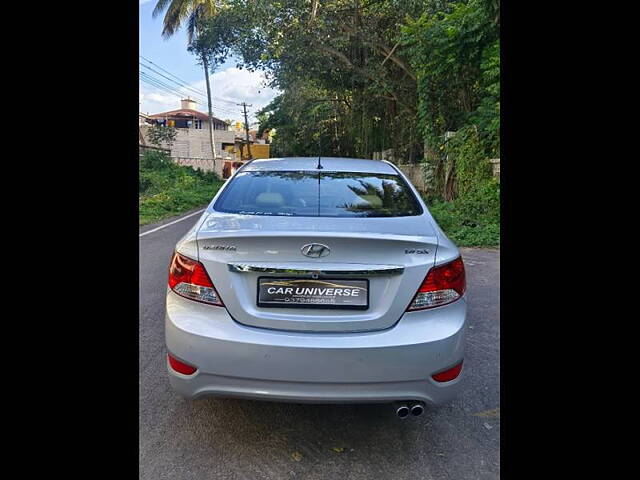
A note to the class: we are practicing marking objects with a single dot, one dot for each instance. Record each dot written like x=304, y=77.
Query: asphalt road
x=243, y=439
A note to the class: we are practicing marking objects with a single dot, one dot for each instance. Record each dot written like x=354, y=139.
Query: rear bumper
x=384, y=366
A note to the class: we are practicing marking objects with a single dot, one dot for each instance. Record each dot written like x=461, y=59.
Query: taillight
x=448, y=375
x=179, y=366
x=443, y=284
x=189, y=279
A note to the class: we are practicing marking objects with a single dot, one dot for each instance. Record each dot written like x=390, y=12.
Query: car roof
x=329, y=164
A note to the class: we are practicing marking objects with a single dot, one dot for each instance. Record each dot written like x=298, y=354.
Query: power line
x=162, y=85
x=176, y=89
x=152, y=82
x=227, y=101
x=185, y=83
x=149, y=81
x=171, y=89
x=164, y=70
x=187, y=87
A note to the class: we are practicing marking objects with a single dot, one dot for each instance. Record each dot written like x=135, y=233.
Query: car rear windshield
x=313, y=194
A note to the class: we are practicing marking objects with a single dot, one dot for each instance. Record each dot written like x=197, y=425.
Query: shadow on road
x=282, y=436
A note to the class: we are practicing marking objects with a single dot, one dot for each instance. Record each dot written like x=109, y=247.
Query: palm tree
x=193, y=13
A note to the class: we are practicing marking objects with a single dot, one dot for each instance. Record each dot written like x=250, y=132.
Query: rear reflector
x=448, y=375
x=189, y=279
x=443, y=284
x=180, y=367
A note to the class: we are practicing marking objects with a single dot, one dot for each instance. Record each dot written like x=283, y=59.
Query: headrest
x=273, y=199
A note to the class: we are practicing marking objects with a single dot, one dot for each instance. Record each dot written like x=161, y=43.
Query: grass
x=167, y=189
x=470, y=223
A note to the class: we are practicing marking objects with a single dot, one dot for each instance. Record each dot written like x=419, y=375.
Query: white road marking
x=170, y=223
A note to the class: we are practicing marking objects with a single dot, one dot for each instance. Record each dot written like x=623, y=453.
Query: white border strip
x=170, y=223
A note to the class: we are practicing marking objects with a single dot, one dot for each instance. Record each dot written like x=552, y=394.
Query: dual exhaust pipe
x=404, y=409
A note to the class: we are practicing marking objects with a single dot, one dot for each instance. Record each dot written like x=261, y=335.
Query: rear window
x=313, y=194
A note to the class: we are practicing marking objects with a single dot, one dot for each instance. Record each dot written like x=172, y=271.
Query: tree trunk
x=211, y=137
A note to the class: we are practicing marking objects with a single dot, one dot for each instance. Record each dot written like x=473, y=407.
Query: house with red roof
x=192, y=145
x=187, y=117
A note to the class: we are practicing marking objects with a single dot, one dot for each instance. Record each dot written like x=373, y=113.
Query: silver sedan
x=317, y=280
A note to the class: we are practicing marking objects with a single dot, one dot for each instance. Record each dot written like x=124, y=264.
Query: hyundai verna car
x=310, y=280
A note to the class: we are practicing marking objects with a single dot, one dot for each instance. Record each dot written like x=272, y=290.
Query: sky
x=229, y=85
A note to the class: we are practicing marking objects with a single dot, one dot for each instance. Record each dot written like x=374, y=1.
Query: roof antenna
x=319, y=167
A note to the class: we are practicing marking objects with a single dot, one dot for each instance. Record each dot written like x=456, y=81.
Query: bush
x=472, y=219
x=167, y=189
x=154, y=160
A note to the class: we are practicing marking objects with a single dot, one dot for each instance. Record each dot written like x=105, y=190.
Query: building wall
x=416, y=175
x=257, y=151
x=206, y=165
x=195, y=143
x=495, y=164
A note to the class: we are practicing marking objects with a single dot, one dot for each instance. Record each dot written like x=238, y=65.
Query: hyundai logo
x=315, y=250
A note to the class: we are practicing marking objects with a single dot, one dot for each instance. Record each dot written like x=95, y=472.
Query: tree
x=365, y=76
x=194, y=13
x=159, y=134
x=343, y=52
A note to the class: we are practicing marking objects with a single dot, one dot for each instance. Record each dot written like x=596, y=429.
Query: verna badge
x=315, y=250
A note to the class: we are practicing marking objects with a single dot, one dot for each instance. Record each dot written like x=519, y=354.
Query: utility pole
x=211, y=136
x=246, y=127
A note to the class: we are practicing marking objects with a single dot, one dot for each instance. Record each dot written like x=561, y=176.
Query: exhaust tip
x=417, y=410
x=402, y=411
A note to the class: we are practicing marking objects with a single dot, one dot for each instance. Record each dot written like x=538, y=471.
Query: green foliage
x=317, y=127
x=472, y=218
x=215, y=37
x=187, y=13
x=153, y=161
x=344, y=85
x=473, y=169
x=167, y=189
x=455, y=52
x=462, y=223
x=160, y=134
x=487, y=115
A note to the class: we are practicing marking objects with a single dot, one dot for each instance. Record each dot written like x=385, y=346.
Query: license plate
x=321, y=293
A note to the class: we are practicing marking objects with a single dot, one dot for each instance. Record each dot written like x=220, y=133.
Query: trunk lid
x=393, y=254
